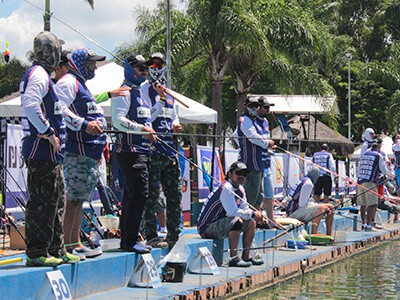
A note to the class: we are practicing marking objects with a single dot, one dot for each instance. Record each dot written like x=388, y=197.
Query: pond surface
x=374, y=274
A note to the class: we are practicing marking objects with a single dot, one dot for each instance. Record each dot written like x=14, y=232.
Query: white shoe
x=142, y=244
x=140, y=248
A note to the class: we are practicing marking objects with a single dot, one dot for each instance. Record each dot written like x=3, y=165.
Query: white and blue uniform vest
x=255, y=157
x=38, y=148
x=140, y=112
x=163, y=124
x=85, y=106
x=213, y=210
x=322, y=159
x=265, y=156
x=369, y=167
x=293, y=203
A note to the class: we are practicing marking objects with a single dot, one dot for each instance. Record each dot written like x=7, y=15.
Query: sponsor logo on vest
x=57, y=108
x=143, y=112
x=167, y=113
x=93, y=108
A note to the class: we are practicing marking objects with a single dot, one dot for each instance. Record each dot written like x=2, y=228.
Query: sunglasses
x=241, y=173
x=142, y=68
x=91, y=63
x=155, y=66
x=253, y=106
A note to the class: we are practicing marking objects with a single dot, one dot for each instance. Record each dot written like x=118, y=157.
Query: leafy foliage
x=10, y=76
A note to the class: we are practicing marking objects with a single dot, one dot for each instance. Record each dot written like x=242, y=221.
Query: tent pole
x=315, y=128
x=169, y=67
x=309, y=123
x=213, y=155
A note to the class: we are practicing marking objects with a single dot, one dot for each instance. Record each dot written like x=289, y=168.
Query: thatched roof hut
x=309, y=134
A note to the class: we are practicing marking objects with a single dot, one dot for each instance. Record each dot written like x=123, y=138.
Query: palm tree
x=47, y=14
x=206, y=38
x=218, y=29
x=298, y=53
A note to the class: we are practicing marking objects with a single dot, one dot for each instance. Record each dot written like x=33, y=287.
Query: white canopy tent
x=300, y=104
x=386, y=148
x=110, y=76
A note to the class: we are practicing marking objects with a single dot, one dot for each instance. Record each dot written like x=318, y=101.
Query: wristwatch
x=49, y=132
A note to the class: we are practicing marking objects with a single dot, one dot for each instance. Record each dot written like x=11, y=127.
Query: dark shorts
x=323, y=184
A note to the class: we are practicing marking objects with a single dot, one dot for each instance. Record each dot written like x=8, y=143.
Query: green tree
x=205, y=38
x=368, y=30
x=219, y=29
x=222, y=50
x=10, y=75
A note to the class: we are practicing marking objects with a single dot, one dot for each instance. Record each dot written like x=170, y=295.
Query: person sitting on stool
x=227, y=214
x=301, y=205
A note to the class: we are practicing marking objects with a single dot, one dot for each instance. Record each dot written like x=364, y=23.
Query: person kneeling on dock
x=301, y=205
x=226, y=213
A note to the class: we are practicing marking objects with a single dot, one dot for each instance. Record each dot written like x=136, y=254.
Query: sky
x=110, y=24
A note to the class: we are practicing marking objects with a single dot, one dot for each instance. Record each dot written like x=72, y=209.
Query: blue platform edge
x=113, y=270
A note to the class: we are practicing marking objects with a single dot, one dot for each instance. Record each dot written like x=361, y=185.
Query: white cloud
x=109, y=24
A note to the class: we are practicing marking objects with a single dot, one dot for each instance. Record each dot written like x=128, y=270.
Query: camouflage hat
x=47, y=50
x=263, y=101
x=252, y=101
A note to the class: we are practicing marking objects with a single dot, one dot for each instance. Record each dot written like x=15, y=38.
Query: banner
x=293, y=170
x=277, y=173
x=342, y=174
x=185, y=179
x=204, y=156
x=16, y=171
x=231, y=155
x=353, y=177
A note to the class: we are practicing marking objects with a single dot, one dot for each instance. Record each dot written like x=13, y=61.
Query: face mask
x=79, y=60
x=252, y=111
x=157, y=73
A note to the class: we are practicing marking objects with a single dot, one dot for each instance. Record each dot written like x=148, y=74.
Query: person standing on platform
x=252, y=136
x=372, y=165
x=86, y=141
x=131, y=113
x=396, y=152
x=43, y=151
x=164, y=164
x=226, y=214
x=63, y=68
x=324, y=183
x=268, y=200
x=369, y=136
x=59, y=72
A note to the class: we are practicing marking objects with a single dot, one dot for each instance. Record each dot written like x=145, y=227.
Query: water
x=374, y=274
